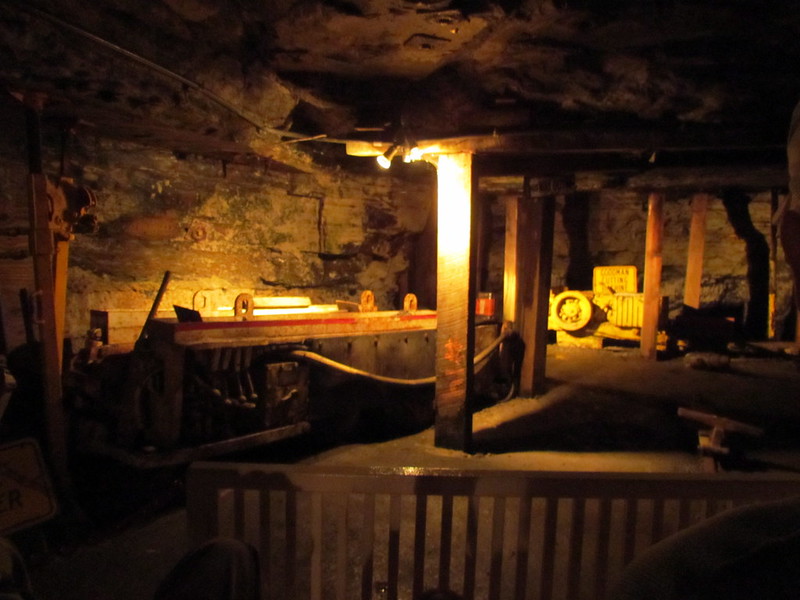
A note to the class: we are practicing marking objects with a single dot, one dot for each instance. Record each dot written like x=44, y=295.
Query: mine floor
x=606, y=410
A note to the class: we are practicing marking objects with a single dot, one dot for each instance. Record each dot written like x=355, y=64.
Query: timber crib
x=359, y=533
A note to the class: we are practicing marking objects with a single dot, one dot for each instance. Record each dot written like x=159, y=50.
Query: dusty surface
x=611, y=410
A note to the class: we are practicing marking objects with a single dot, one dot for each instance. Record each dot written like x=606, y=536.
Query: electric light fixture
x=385, y=159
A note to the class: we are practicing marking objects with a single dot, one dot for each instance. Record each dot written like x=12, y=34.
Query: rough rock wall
x=16, y=265
x=617, y=222
x=230, y=228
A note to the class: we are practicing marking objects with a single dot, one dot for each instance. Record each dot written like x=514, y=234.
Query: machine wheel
x=571, y=310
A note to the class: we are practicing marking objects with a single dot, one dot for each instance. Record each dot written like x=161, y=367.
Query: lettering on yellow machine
x=612, y=309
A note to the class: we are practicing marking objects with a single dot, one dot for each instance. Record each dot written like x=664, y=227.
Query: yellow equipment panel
x=615, y=280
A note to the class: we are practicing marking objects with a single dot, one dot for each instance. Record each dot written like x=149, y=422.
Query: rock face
x=327, y=235
x=211, y=132
x=610, y=227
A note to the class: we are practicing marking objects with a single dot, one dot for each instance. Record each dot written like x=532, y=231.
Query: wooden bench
x=362, y=533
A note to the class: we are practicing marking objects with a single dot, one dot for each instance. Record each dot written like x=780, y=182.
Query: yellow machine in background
x=613, y=309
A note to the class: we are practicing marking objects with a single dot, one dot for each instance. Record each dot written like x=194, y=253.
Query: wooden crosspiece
x=712, y=440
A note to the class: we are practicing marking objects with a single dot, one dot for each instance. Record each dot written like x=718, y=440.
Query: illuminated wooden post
x=652, y=275
x=535, y=223
x=510, y=260
x=455, y=305
x=694, y=261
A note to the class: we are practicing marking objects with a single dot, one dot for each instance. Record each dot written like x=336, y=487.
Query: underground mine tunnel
x=399, y=236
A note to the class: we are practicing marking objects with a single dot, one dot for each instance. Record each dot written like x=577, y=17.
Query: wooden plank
x=238, y=513
x=265, y=542
x=445, y=542
x=290, y=564
x=523, y=548
x=455, y=303
x=394, y=546
x=496, y=559
x=536, y=219
x=61, y=266
x=317, y=541
x=657, y=525
x=342, y=521
x=476, y=482
x=42, y=249
x=694, y=261
x=576, y=536
x=367, y=547
x=482, y=242
x=603, y=544
x=420, y=526
x=218, y=331
x=470, y=548
x=549, y=549
x=652, y=275
x=564, y=142
x=631, y=519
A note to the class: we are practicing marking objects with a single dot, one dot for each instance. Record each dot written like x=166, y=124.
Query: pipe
x=322, y=360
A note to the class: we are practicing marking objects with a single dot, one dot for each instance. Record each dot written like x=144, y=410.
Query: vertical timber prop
x=55, y=211
x=43, y=249
x=789, y=217
x=652, y=275
x=455, y=302
x=772, y=326
x=510, y=260
x=697, y=242
x=535, y=225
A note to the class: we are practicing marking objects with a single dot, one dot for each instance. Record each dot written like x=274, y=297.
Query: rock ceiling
x=239, y=78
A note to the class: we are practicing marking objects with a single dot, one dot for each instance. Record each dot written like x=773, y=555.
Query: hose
x=322, y=360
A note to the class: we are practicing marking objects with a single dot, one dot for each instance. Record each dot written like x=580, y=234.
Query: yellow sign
x=614, y=280
x=26, y=495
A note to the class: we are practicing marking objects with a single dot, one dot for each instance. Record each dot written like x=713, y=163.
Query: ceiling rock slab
x=236, y=78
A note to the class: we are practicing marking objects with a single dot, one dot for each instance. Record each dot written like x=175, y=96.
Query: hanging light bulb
x=413, y=154
x=385, y=159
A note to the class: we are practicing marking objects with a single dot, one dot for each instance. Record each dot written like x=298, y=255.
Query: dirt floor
x=612, y=410
x=606, y=410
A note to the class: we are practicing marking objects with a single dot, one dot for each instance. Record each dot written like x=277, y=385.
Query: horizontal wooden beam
x=617, y=140
x=680, y=179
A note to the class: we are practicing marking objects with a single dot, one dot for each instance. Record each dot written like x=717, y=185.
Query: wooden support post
x=60, y=268
x=43, y=248
x=773, y=266
x=697, y=241
x=455, y=303
x=510, y=260
x=652, y=275
x=536, y=221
